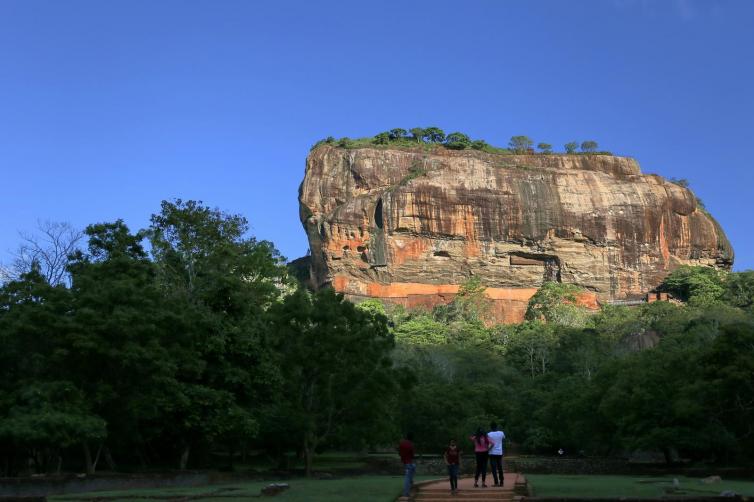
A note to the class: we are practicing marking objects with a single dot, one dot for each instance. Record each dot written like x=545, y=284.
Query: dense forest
x=189, y=343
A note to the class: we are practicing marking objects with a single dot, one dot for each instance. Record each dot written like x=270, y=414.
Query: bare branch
x=49, y=247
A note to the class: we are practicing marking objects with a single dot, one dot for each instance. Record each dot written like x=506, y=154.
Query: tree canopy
x=174, y=344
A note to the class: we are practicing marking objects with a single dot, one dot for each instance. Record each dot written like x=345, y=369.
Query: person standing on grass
x=496, y=453
x=452, y=458
x=482, y=445
x=406, y=451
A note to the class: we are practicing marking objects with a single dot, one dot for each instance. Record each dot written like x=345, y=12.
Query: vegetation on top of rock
x=431, y=137
x=545, y=148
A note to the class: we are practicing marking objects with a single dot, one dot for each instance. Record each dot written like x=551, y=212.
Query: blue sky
x=106, y=108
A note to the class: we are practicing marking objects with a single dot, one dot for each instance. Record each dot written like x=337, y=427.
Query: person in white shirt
x=496, y=453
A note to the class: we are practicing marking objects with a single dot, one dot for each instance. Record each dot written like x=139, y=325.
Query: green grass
x=362, y=488
x=546, y=485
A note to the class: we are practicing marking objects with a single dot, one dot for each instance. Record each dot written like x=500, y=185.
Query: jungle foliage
x=188, y=343
x=672, y=377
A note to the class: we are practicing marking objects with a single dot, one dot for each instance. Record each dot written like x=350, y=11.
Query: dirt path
x=439, y=491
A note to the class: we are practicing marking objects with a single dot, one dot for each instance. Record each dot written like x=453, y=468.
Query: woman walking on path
x=452, y=458
x=482, y=445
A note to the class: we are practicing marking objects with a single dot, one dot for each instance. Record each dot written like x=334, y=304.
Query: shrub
x=457, y=141
x=382, y=138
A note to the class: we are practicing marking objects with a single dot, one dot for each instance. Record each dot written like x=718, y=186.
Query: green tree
x=218, y=283
x=728, y=369
x=739, y=290
x=123, y=359
x=345, y=142
x=49, y=416
x=655, y=399
x=479, y=144
x=397, y=134
x=457, y=141
x=589, y=146
x=531, y=347
x=557, y=303
x=475, y=377
x=421, y=330
x=434, y=135
x=418, y=134
x=520, y=144
x=336, y=366
x=41, y=410
x=571, y=147
x=697, y=285
x=545, y=148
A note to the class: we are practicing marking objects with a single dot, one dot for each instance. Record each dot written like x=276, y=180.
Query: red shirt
x=406, y=451
x=452, y=456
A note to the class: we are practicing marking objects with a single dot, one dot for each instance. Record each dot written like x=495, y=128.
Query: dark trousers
x=481, y=466
x=453, y=475
x=496, y=465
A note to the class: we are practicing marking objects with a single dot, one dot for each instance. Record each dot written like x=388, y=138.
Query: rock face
x=411, y=225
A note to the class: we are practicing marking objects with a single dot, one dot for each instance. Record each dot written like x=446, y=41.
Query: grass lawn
x=362, y=488
x=628, y=486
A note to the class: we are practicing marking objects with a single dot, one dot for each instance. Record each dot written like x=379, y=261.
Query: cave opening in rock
x=378, y=214
x=443, y=254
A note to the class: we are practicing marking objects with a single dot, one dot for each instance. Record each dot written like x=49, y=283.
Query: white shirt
x=497, y=438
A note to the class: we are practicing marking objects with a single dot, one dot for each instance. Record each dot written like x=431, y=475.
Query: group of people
x=488, y=449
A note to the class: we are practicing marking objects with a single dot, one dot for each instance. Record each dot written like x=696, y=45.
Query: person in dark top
x=406, y=451
x=452, y=458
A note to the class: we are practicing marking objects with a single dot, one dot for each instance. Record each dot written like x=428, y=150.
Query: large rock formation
x=410, y=225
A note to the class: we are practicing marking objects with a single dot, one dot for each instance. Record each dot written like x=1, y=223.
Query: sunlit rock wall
x=410, y=226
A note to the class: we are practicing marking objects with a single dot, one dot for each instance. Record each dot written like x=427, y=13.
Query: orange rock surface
x=410, y=225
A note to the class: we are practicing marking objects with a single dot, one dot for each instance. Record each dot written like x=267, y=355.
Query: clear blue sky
x=108, y=107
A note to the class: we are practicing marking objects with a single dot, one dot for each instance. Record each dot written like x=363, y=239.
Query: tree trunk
x=308, y=455
x=108, y=458
x=96, y=458
x=668, y=457
x=184, y=457
x=88, y=464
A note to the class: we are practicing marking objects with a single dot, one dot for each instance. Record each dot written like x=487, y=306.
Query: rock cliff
x=410, y=225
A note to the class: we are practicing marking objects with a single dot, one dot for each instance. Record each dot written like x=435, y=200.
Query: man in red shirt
x=406, y=451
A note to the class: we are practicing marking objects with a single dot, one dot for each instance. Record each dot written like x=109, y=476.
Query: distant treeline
x=458, y=141
x=202, y=348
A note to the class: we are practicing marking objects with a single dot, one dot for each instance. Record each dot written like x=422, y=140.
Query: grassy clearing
x=362, y=488
x=629, y=486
